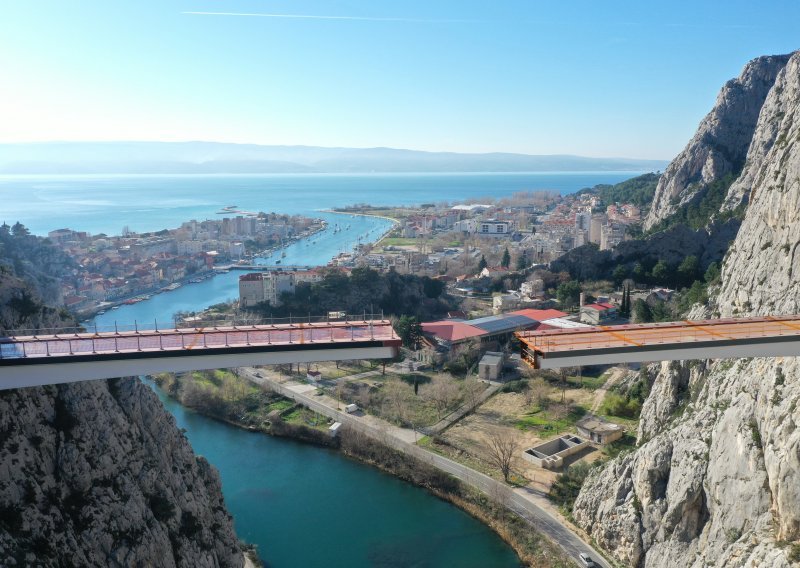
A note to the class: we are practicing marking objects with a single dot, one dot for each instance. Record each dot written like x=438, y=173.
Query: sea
x=301, y=505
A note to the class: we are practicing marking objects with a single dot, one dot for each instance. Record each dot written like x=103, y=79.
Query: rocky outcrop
x=672, y=245
x=97, y=474
x=722, y=140
x=715, y=480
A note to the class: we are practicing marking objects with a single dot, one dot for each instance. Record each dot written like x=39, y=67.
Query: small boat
x=277, y=262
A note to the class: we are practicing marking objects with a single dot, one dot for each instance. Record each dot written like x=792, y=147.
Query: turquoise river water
x=311, y=507
x=303, y=506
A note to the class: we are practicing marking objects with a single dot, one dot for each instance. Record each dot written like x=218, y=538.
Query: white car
x=586, y=560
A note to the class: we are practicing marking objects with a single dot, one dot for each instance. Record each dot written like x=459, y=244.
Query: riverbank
x=260, y=411
x=394, y=221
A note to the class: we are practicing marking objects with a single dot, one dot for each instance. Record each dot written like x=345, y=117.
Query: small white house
x=334, y=428
x=313, y=376
x=351, y=408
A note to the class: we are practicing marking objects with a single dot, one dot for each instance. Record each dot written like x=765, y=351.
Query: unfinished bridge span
x=770, y=336
x=62, y=356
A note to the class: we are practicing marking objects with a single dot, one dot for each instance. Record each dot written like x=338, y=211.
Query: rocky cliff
x=715, y=479
x=720, y=146
x=96, y=473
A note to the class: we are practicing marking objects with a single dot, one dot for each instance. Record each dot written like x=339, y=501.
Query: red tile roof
x=539, y=315
x=600, y=306
x=451, y=330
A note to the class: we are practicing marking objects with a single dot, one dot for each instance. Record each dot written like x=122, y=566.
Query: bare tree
x=396, y=397
x=473, y=389
x=503, y=448
x=442, y=392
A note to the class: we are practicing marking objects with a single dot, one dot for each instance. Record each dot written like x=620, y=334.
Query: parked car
x=587, y=561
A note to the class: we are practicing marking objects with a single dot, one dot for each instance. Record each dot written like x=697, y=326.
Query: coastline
x=394, y=221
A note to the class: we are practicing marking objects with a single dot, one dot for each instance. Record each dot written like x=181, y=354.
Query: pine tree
x=522, y=260
x=482, y=264
x=506, y=261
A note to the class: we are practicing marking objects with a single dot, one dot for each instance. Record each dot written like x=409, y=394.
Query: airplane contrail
x=311, y=17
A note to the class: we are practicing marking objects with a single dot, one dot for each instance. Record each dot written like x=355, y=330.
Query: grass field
x=398, y=242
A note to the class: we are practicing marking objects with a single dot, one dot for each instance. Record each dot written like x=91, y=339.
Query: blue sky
x=580, y=77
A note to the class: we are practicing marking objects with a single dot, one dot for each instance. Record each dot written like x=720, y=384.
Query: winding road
x=517, y=500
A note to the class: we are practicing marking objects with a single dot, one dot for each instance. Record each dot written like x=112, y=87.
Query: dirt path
x=614, y=375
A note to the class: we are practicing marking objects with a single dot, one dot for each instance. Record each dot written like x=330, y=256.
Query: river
x=302, y=505
x=312, y=251
x=306, y=506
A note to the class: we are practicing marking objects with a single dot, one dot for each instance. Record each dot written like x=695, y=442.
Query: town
x=129, y=268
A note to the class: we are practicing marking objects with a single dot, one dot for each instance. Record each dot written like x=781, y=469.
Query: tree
x=569, y=293
x=638, y=272
x=625, y=307
x=522, y=260
x=712, y=274
x=505, y=262
x=688, y=270
x=641, y=312
x=442, y=392
x=566, y=487
x=482, y=264
x=19, y=230
x=620, y=273
x=409, y=330
x=502, y=448
x=660, y=272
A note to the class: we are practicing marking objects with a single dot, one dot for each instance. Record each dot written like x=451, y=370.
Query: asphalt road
x=515, y=499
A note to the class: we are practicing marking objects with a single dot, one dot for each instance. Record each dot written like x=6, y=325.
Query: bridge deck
x=14, y=348
x=62, y=357
x=659, y=341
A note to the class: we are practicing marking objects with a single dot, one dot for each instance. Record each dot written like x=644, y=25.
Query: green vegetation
x=616, y=405
x=365, y=290
x=638, y=190
x=794, y=553
x=409, y=330
x=398, y=242
x=568, y=294
x=619, y=447
x=627, y=404
x=225, y=396
x=702, y=207
x=568, y=485
x=555, y=419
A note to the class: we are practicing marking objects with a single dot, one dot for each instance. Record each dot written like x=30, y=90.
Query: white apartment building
x=493, y=228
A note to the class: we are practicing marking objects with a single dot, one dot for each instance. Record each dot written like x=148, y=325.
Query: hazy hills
x=215, y=157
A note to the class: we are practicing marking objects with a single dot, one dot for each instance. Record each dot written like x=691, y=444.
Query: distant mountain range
x=222, y=158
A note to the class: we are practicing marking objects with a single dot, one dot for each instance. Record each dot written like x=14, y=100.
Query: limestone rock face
x=720, y=145
x=715, y=480
x=97, y=474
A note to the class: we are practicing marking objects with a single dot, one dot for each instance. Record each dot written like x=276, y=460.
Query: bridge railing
x=198, y=324
x=279, y=332
x=675, y=333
